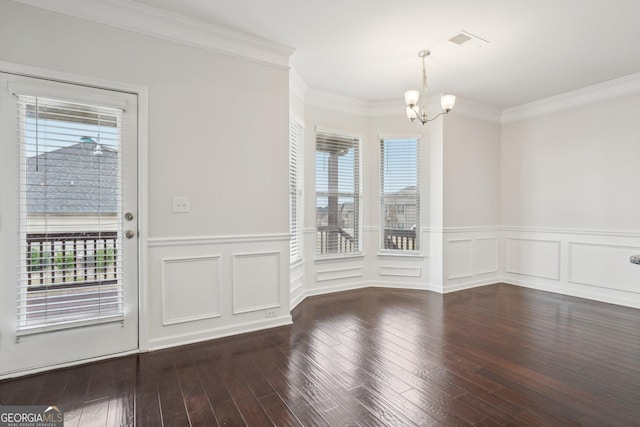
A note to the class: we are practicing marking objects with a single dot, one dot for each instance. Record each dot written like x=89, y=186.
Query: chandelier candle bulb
x=411, y=97
x=447, y=102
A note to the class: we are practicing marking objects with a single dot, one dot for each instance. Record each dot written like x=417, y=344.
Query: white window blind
x=295, y=190
x=337, y=194
x=400, y=194
x=70, y=192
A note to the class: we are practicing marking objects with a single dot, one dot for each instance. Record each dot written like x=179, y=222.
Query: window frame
x=416, y=250
x=357, y=140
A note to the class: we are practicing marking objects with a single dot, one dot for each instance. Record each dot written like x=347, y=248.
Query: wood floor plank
x=494, y=355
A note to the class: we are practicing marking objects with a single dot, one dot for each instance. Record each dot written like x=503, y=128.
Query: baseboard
x=401, y=285
x=593, y=293
x=49, y=368
x=210, y=334
x=296, y=297
x=311, y=292
x=469, y=285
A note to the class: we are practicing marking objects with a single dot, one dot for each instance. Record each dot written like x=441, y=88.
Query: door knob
x=129, y=234
x=128, y=216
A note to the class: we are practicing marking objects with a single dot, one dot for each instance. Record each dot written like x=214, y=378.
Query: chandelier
x=411, y=97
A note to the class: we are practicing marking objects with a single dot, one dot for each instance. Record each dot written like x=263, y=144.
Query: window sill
x=338, y=257
x=402, y=254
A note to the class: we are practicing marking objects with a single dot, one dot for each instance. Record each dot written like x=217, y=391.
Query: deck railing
x=397, y=239
x=64, y=260
x=334, y=240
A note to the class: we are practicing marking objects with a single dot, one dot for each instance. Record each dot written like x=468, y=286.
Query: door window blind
x=70, y=192
x=337, y=194
x=400, y=194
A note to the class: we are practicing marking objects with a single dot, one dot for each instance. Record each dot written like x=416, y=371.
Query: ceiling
x=367, y=49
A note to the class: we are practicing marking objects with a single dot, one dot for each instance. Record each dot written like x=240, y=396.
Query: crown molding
x=336, y=102
x=151, y=21
x=591, y=94
x=468, y=108
x=297, y=86
x=345, y=104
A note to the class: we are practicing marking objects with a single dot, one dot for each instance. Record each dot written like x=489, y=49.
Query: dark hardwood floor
x=496, y=355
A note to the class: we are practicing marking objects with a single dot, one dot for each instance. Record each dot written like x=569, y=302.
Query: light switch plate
x=181, y=204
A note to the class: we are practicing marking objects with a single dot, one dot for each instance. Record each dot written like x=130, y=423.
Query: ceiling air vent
x=468, y=40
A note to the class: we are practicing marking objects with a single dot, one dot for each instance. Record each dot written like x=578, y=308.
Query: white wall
x=204, y=143
x=471, y=172
x=471, y=181
x=575, y=169
x=569, y=200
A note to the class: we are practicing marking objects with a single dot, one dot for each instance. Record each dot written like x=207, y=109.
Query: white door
x=68, y=223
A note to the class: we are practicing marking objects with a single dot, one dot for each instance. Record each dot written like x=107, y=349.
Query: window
x=71, y=262
x=295, y=190
x=400, y=193
x=337, y=194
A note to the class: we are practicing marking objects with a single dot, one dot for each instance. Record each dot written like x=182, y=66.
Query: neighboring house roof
x=78, y=179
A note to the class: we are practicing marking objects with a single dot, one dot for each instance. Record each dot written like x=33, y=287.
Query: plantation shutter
x=70, y=196
x=400, y=193
x=337, y=194
x=295, y=191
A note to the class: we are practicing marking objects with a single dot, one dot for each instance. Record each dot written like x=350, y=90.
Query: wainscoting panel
x=256, y=281
x=338, y=273
x=533, y=257
x=190, y=289
x=591, y=264
x=604, y=265
x=459, y=259
x=470, y=258
x=207, y=287
x=399, y=271
x=485, y=259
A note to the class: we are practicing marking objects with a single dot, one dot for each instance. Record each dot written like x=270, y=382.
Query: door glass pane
x=70, y=240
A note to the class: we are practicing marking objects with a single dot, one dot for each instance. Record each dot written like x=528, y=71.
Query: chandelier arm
x=442, y=113
x=426, y=120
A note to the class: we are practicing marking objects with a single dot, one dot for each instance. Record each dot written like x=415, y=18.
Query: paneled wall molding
x=216, y=240
x=485, y=259
x=399, y=271
x=338, y=273
x=190, y=289
x=162, y=24
x=588, y=95
x=529, y=256
x=603, y=265
x=459, y=258
x=256, y=281
x=590, y=264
